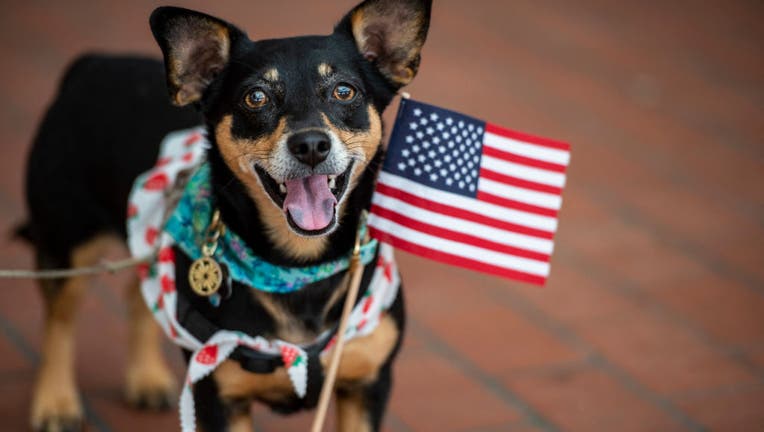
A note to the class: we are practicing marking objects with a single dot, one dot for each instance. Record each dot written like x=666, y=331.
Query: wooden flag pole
x=355, y=271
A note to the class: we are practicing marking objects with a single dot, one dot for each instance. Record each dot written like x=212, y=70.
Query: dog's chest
x=360, y=362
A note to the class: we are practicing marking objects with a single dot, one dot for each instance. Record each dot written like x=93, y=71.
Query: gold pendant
x=205, y=276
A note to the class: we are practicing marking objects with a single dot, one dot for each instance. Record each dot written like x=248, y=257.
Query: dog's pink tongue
x=310, y=202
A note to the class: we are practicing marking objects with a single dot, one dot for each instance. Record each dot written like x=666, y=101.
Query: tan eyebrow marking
x=324, y=69
x=272, y=75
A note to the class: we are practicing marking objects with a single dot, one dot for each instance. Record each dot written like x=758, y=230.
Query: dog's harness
x=170, y=207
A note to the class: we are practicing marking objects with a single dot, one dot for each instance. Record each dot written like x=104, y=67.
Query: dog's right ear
x=196, y=48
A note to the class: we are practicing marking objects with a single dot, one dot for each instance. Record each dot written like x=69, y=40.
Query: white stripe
x=463, y=250
x=533, y=151
x=494, y=211
x=463, y=226
x=541, y=199
x=536, y=175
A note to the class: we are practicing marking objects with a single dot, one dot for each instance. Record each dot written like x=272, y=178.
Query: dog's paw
x=57, y=411
x=150, y=388
x=60, y=424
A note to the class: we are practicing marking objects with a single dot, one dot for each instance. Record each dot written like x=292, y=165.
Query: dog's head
x=296, y=120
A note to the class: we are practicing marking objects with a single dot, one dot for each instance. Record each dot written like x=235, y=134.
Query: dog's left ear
x=390, y=34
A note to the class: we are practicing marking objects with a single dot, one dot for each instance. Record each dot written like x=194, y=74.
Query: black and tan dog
x=295, y=132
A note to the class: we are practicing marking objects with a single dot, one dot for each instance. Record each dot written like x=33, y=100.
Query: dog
x=298, y=116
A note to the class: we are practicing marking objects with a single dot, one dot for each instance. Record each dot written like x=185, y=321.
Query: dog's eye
x=343, y=92
x=256, y=99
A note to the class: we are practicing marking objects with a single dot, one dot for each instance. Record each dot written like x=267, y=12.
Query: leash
x=104, y=267
x=354, y=271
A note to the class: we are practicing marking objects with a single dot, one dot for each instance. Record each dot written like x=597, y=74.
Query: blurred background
x=653, y=319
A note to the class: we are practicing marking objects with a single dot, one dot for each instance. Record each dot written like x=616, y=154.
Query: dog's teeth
x=332, y=182
x=282, y=188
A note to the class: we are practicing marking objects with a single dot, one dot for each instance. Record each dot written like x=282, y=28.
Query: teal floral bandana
x=188, y=225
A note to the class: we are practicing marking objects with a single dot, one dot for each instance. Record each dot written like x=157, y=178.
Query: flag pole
x=355, y=271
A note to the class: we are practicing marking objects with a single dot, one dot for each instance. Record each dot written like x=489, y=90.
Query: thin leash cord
x=104, y=267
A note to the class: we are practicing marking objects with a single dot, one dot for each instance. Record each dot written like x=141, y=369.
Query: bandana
x=170, y=205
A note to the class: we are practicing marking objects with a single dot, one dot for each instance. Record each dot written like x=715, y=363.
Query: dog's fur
x=103, y=130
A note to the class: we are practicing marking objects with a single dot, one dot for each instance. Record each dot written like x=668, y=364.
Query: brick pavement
x=654, y=315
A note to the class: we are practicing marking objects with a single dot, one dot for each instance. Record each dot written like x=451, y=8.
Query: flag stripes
x=466, y=208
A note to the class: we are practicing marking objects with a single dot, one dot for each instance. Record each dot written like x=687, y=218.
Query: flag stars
x=440, y=150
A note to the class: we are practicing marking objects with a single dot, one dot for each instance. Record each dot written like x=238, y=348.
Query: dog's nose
x=310, y=147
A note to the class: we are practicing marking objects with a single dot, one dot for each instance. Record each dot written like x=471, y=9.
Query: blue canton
x=436, y=147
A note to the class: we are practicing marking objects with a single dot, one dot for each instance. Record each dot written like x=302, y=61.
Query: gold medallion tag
x=205, y=276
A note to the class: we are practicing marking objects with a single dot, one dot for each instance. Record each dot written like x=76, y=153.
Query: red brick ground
x=654, y=315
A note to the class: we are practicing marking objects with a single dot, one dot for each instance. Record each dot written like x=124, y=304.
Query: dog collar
x=188, y=223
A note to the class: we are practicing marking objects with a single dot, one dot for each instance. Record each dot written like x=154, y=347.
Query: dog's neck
x=241, y=215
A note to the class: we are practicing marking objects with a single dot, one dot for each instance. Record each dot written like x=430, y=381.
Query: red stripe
x=520, y=136
x=460, y=213
x=522, y=160
x=517, y=205
x=447, y=258
x=514, y=181
x=433, y=230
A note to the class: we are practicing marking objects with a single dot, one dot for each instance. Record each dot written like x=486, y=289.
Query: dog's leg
x=149, y=382
x=55, y=404
x=364, y=378
x=239, y=415
x=360, y=409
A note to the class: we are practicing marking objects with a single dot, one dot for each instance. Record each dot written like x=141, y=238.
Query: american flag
x=469, y=193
